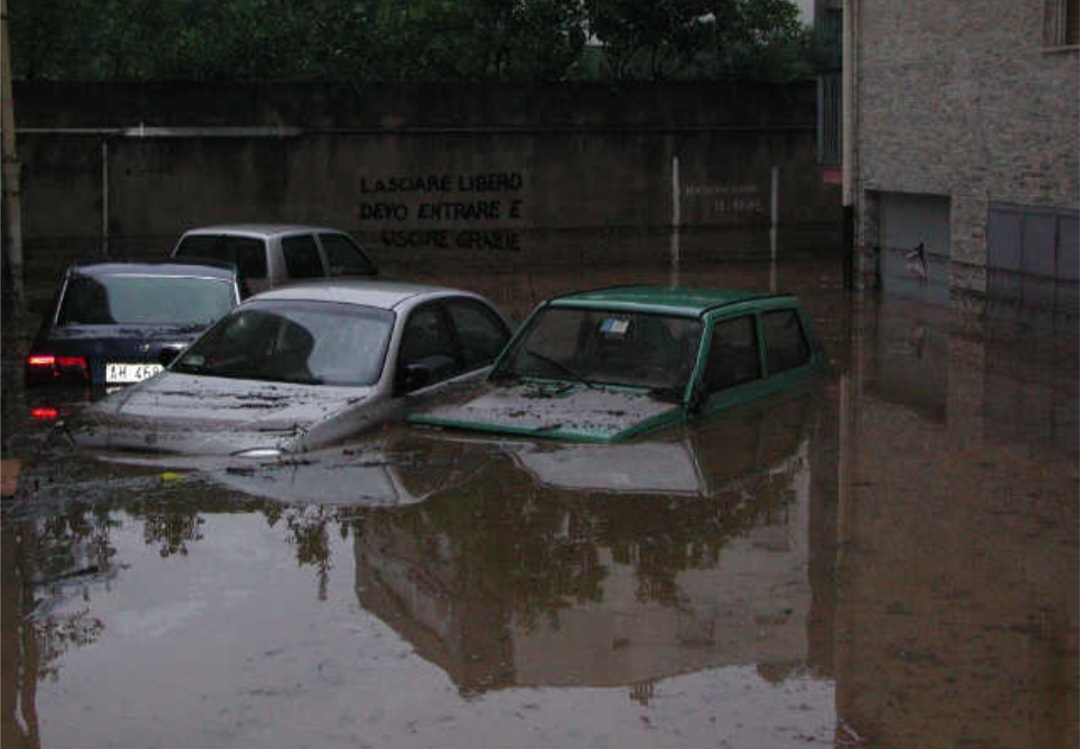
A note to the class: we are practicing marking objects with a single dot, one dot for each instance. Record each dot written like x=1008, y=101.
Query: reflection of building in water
x=516, y=580
x=958, y=533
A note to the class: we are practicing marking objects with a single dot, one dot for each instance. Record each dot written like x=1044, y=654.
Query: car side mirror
x=415, y=377
x=424, y=372
x=40, y=306
x=168, y=355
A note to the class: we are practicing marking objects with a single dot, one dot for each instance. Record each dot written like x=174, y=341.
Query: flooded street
x=890, y=561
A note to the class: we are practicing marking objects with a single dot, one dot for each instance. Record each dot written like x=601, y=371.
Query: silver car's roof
x=372, y=293
x=260, y=230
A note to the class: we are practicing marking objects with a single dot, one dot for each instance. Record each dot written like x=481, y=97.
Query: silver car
x=302, y=367
x=271, y=255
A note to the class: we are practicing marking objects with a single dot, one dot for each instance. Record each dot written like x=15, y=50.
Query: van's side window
x=785, y=341
x=302, y=257
x=733, y=354
x=246, y=253
x=344, y=257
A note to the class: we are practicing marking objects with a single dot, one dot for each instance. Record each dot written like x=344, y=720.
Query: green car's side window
x=785, y=342
x=733, y=355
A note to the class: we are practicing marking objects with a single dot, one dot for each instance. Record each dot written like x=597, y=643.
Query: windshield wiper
x=561, y=367
x=669, y=392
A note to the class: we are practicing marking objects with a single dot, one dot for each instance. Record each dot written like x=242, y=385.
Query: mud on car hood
x=557, y=410
x=179, y=413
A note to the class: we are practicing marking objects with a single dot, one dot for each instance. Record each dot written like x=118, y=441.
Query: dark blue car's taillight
x=51, y=367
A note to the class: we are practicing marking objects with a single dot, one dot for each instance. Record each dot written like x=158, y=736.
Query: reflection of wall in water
x=907, y=356
x=1031, y=389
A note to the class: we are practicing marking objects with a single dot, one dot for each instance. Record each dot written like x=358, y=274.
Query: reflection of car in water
x=397, y=468
x=606, y=365
x=114, y=324
x=302, y=367
x=588, y=579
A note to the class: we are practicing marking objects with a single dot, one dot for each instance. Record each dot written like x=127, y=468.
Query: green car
x=609, y=364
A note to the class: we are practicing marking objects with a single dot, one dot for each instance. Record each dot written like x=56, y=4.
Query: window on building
x=1062, y=23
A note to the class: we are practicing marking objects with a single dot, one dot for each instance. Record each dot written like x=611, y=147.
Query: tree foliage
x=410, y=40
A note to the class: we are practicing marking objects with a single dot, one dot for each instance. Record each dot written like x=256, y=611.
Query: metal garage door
x=915, y=245
x=1033, y=260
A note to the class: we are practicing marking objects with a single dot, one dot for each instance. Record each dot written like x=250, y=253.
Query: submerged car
x=271, y=255
x=302, y=367
x=608, y=364
x=114, y=324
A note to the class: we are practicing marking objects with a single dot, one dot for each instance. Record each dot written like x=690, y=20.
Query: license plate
x=117, y=372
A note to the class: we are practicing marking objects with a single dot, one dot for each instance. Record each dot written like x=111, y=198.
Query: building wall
x=494, y=175
x=966, y=102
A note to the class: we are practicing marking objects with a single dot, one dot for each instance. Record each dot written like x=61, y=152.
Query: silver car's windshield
x=604, y=347
x=304, y=342
x=145, y=300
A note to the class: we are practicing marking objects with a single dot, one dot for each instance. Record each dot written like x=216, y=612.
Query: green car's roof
x=677, y=300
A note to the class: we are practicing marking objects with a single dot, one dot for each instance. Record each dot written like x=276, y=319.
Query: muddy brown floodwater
x=890, y=562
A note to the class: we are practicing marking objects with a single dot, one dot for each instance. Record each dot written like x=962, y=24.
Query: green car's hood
x=558, y=410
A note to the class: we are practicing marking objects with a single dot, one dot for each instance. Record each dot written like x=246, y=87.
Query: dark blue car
x=113, y=324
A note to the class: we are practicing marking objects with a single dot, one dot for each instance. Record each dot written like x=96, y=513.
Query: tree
x=757, y=40
x=648, y=38
x=409, y=40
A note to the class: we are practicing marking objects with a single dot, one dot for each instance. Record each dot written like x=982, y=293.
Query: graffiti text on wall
x=412, y=201
x=728, y=200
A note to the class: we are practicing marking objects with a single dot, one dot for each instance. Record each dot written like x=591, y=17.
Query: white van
x=270, y=255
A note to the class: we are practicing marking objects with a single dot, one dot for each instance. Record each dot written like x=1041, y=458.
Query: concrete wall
x=971, y=102
x=488, y=175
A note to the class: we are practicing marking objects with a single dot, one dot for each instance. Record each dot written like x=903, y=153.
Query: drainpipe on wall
x=141, y=131
x=852, y=269
x=676, y=219
x=10, y=190
x=774, y=220
x=105, y=198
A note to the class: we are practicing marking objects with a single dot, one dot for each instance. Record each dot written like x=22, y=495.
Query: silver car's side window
x=428, y=353
x=480, y=332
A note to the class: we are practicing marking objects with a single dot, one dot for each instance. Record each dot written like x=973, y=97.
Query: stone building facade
x=961, y=151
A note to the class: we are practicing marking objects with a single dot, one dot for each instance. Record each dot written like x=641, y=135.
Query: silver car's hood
x=201, y=415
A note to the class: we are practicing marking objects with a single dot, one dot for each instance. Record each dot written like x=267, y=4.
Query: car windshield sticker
x=614, y=326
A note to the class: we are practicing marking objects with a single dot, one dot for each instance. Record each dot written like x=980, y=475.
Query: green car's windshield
x=303, y=342
x=599, y=347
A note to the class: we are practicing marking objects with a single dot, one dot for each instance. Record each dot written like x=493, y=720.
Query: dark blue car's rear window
x=145, y=299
